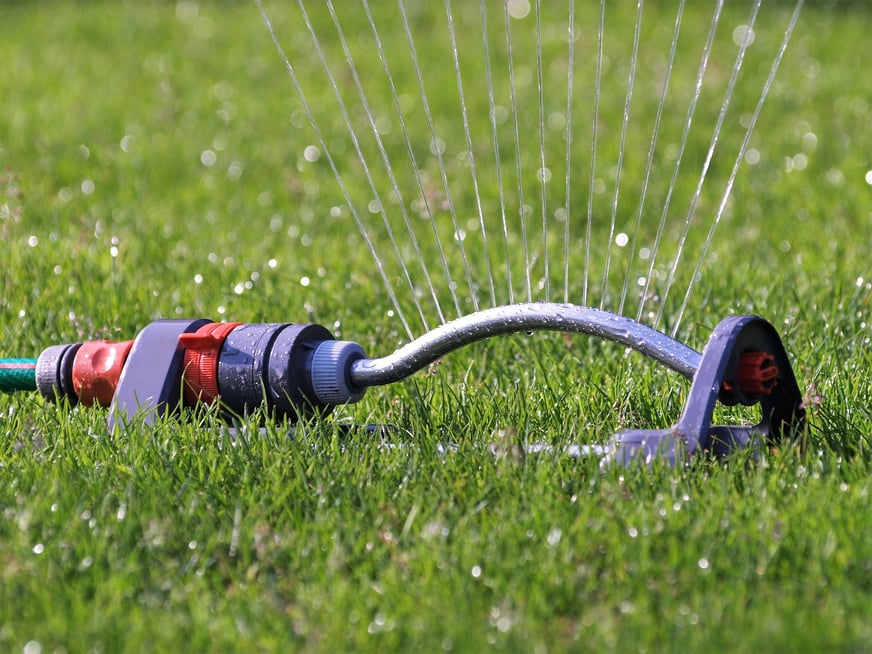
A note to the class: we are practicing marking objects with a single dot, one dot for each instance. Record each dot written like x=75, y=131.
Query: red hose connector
x=96, y=370
x=202, y=349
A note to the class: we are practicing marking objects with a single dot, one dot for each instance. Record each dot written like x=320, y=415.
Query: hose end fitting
x=331, y=372
x=54, y=372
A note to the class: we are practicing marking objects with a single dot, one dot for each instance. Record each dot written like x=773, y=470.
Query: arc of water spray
x=469, y=150
x=593, y=141
x=437, y=151
x=488, y=75
x=739, y=158
x=514, y=102
x=649, y=164
x=357, y=147
x=570, y=76
x=413, y=160
x=626, y=119
x=542, y=181
x=339, y=179
x=529, y=257
x=386, y=161
x=737, y=66
x=691, y=110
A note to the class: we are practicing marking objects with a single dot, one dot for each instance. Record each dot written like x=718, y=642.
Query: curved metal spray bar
x=519, y=318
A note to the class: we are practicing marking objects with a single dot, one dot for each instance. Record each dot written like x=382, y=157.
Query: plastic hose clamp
x=202, y=349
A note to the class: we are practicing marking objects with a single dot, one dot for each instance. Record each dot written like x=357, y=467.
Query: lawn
x=156, y=162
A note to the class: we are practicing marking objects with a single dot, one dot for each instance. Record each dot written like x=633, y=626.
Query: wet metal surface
x=521, y=318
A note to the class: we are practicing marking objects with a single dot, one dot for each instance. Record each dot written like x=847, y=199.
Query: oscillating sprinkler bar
x=291, y=370
x=533, y=316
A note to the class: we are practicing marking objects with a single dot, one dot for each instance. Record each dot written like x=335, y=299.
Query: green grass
x=179, y=537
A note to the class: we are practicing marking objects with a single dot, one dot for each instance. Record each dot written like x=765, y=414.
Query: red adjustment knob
x=756, y=373
x=202, y=349
x=96, y=370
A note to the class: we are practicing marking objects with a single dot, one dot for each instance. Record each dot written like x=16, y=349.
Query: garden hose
x=17, y=375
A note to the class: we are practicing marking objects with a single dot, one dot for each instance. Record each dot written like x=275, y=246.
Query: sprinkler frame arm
x=744, y=362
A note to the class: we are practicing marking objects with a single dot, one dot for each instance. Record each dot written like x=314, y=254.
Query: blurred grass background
x=152, y=164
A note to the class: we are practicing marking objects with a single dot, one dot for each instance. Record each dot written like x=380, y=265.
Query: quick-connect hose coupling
x=288, y=369
x=271, y=365
x=85, y=373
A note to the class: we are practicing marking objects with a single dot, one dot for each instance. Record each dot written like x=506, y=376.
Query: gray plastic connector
x=54, y=372
x=331, y=372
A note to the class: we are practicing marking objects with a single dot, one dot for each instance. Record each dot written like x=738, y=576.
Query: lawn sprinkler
x=293, y=370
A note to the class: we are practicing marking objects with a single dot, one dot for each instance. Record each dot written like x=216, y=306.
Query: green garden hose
x=17, y=375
